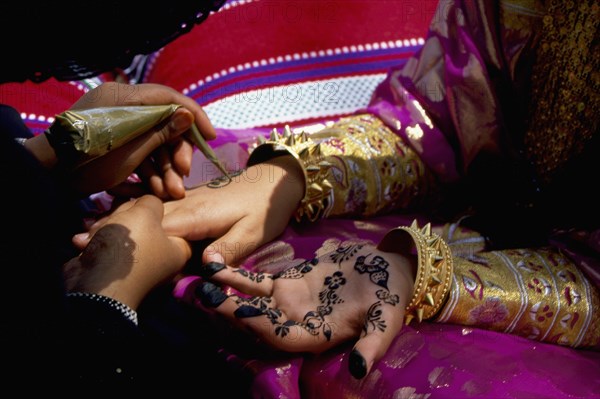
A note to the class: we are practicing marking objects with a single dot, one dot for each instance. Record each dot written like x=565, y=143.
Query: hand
x=252, y=209
x=161, y=157
x=354, y=291
x=128, y=255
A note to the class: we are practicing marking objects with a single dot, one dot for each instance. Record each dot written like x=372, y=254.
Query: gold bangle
x=434, y=268
x=317, y=188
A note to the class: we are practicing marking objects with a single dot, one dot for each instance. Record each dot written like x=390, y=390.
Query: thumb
x=376, y=341
x=180, y=122
x=233, y=246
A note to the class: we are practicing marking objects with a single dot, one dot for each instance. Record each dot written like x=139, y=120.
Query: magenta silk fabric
x=426, y=360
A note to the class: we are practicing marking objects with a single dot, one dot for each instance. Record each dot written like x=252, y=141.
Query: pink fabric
x=427, y=360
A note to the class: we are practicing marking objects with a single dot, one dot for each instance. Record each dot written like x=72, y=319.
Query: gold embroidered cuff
x=537, y=293
x=434, y=268
x=317, y=188
x=356, y=166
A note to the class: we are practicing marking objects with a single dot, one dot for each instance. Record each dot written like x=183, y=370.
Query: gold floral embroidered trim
x=357, y=166
x=538, y=294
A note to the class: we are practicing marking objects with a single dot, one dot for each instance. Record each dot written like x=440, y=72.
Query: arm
x=364, y=293
x=356, y=167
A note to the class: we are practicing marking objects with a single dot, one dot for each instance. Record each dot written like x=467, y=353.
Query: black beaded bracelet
x=125, y=310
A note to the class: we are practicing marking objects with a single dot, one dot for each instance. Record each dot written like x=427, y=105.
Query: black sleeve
x=48, y=338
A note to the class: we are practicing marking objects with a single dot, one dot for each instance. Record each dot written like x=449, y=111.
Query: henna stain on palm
x=257, y=306
x=376, y=268
x=374, y=319
x=314, y=321
x=387, y=297
x=343, y=253
x=298, y=271
x=256, y=277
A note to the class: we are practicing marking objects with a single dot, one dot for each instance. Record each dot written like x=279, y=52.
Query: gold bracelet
x=434, y=268
x=317, y=188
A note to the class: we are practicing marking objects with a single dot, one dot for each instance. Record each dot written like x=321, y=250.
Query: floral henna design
x=374, y=319
x=257, y=306
x=257, y=277
x=386, y=297
x=343, y=253
x=297, y=271
x=313, y=322
x=376, y=269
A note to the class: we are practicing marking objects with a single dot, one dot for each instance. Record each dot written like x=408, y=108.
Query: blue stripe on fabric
x=292, y=78
x=207, y=86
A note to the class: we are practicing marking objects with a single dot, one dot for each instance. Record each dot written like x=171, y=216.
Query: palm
x=354, y=291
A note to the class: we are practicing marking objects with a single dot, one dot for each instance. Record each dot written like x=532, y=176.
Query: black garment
x=58, y=344
x=71, y=40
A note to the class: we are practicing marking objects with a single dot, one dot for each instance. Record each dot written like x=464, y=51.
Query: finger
x=163, y=95
x=128, y=190
x=183, y=249
x=147, y=172
x=172, y=182
x=147, y=203
x=200, y=118
x=235, y=245
x=257, y=284
x=118, y=94
x=81, y=240
x=382, y=323
x=269, y=323
x=183, y=152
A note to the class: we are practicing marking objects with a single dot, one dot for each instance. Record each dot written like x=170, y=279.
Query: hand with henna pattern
x=356, y=291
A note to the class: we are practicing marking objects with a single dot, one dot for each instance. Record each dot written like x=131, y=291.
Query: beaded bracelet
x=21, y=140
x=125, y=310
x=434, y=268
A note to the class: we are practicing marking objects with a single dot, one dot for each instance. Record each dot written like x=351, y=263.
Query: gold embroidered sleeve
x=538, y=294
x=357, y=166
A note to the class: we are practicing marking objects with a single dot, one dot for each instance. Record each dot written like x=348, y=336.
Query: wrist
x=306, y=154
x=127, y=312
x=289, y=174
x=431, y=271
